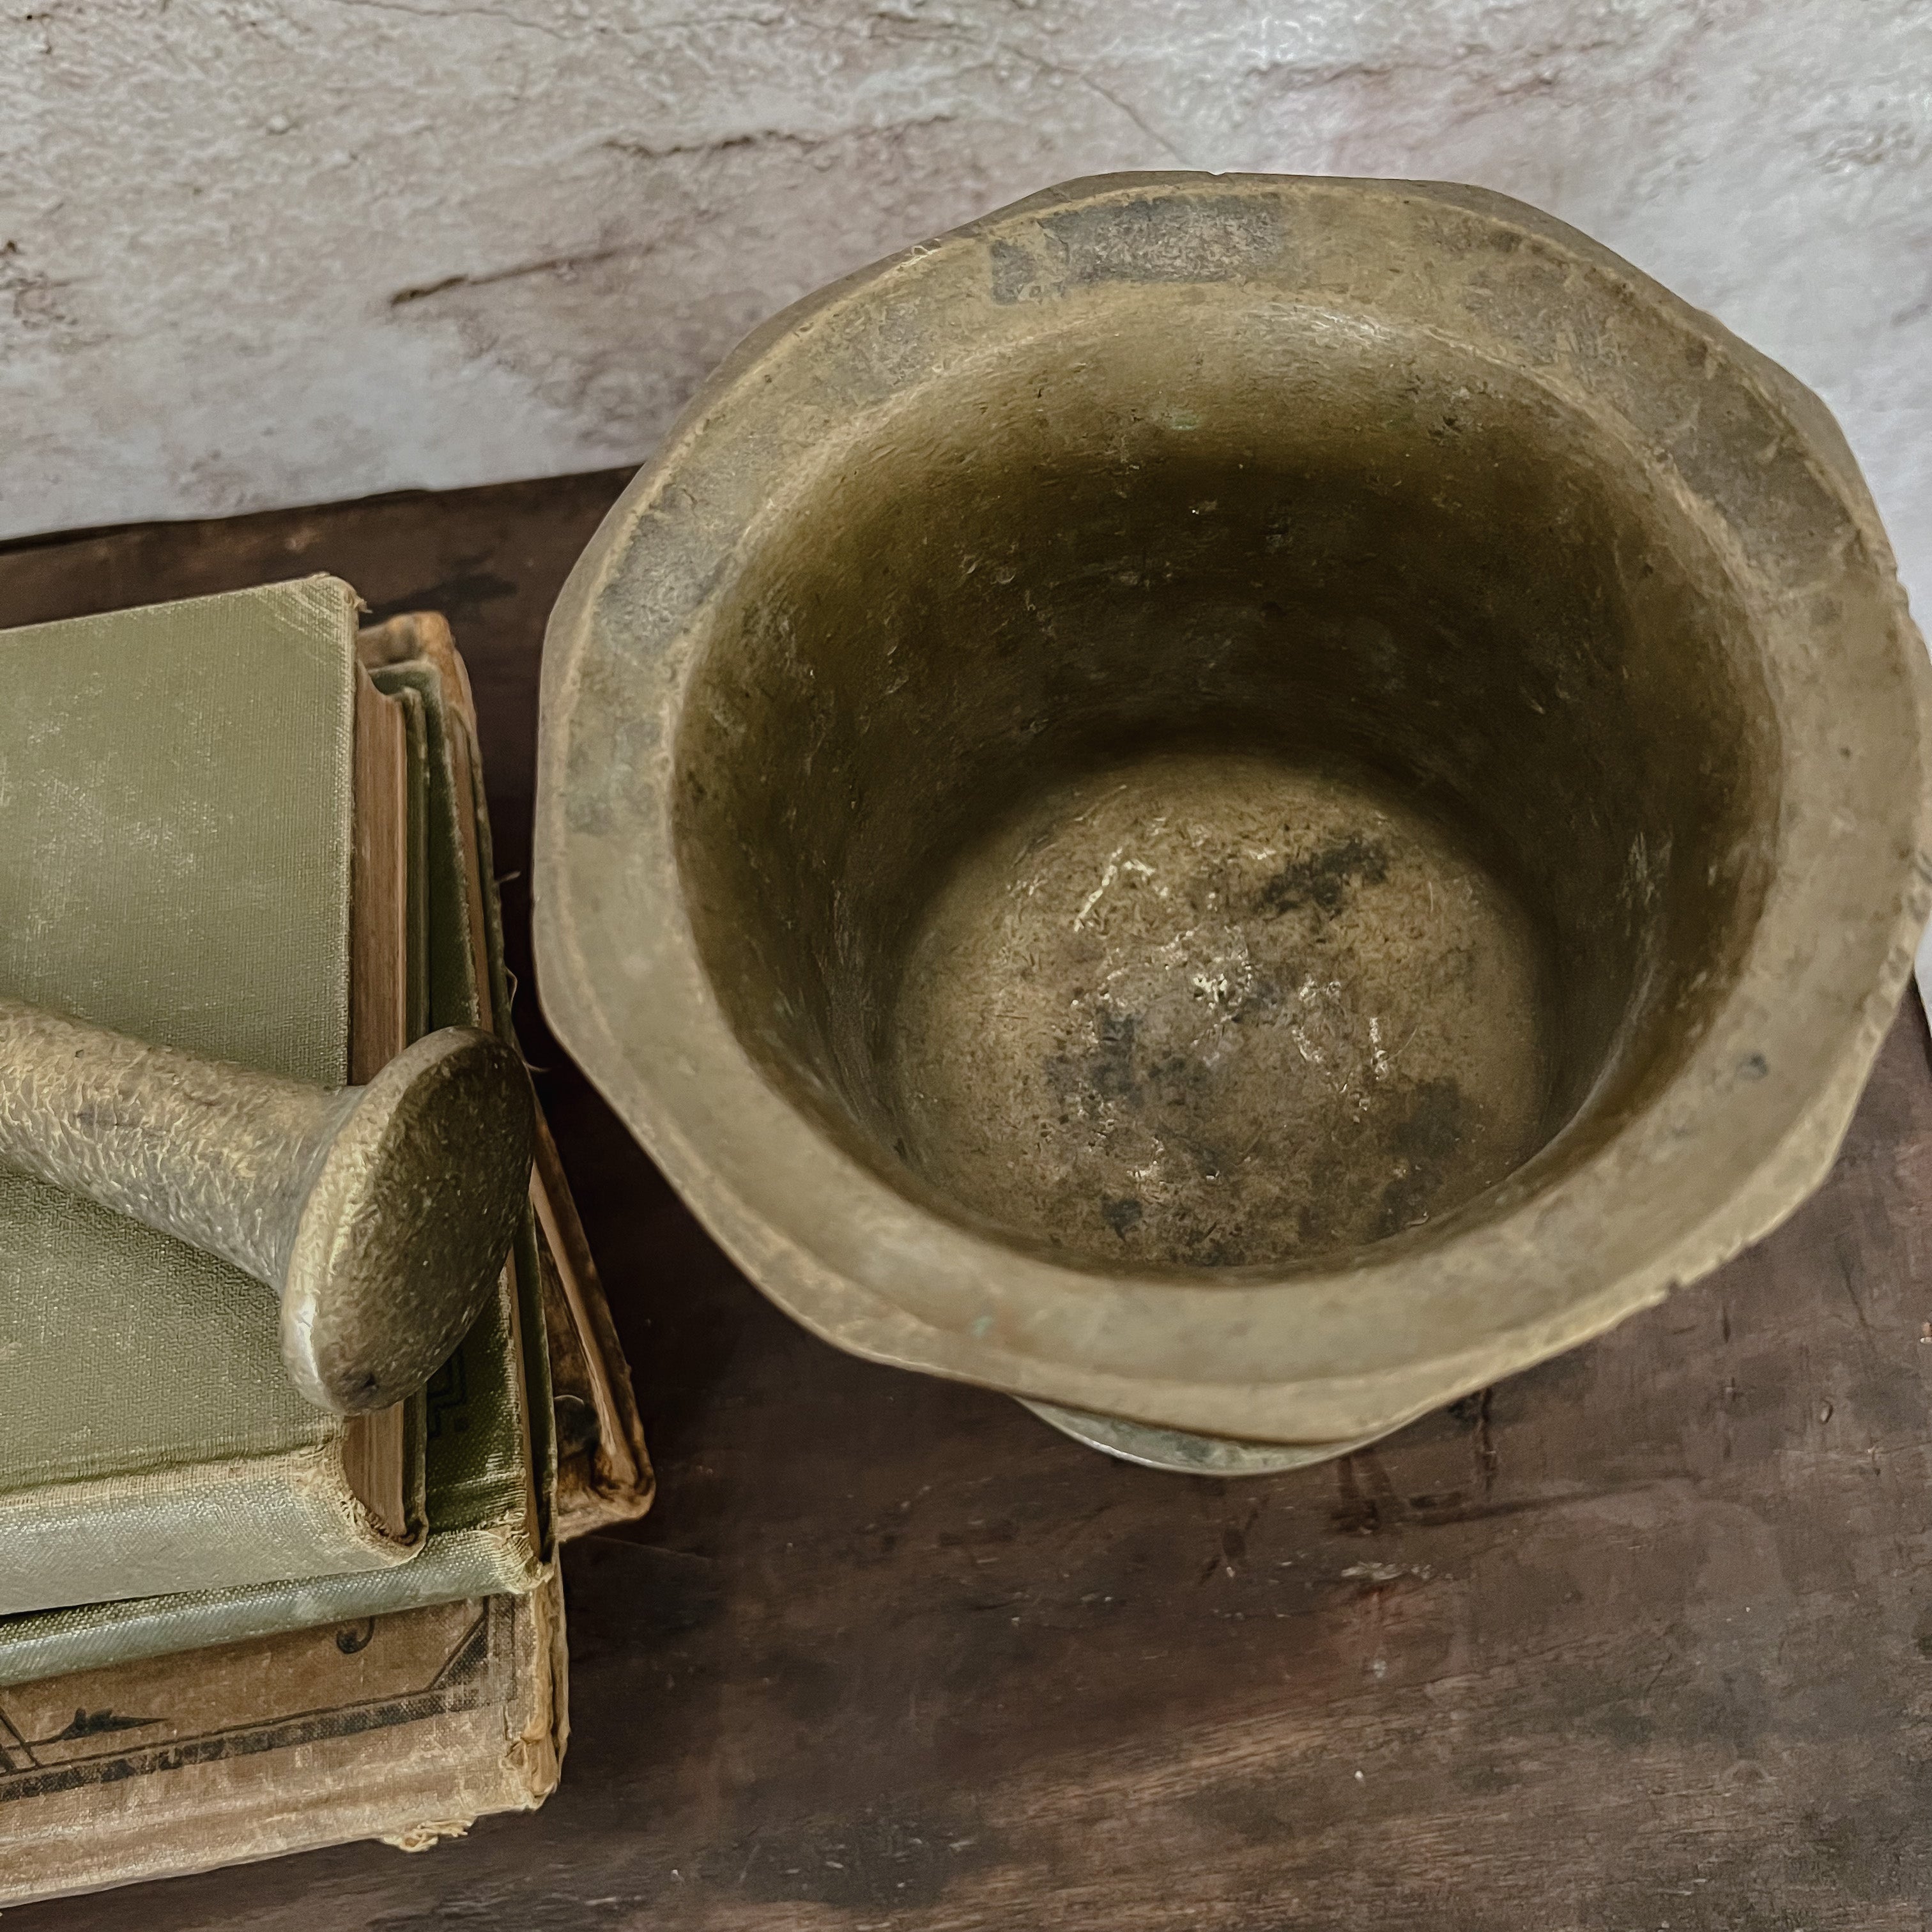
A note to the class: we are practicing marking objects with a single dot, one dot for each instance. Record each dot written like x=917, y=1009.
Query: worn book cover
x=406, y=1727
x=179, y=829
x=490, y=1458
x=603, y=1471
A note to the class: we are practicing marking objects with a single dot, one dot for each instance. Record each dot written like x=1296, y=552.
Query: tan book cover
x=406, y=1727
x=603, y=1473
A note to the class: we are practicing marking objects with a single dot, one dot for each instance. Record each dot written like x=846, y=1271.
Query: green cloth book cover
x=176, y=825
x=490, y=1458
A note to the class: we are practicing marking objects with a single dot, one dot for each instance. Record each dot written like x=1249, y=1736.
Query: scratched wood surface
x=1642, y=1638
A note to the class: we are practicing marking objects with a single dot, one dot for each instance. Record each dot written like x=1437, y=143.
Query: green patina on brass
x=1238, y=803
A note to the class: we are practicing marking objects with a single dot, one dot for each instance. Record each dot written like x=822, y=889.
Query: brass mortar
x=1235, y=804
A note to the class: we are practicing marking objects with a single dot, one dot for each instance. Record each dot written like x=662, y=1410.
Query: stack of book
x=232, y=1625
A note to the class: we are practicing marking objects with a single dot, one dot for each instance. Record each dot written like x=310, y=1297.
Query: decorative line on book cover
x=471, y=1673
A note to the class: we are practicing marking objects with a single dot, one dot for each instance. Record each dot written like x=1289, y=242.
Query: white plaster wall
x=264, y=252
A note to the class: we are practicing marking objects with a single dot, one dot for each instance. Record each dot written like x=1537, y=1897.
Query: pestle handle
x=380, y=1215
x=217, y=1155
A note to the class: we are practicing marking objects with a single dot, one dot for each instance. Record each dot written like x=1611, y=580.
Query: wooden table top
x=1642, y=1639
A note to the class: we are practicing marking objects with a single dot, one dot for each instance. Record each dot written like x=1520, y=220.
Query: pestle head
x=404, y=1230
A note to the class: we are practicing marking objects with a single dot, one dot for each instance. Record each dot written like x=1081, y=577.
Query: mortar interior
x=1221, y=808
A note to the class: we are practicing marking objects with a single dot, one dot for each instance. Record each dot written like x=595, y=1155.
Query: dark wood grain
x=1642, y=1639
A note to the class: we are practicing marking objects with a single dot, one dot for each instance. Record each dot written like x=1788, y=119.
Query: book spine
x=454, y=1565
x=405, y=1729
x=195, y=1526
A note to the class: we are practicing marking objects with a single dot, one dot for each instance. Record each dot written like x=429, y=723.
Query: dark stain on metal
x=1322, y=880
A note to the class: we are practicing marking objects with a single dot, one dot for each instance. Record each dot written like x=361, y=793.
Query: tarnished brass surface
x=1180, y=1453
x=380, y=1214
x=1216, y=1009
x=1237, y=803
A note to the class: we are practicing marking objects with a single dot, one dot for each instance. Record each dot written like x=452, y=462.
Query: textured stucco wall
x=260, y=252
